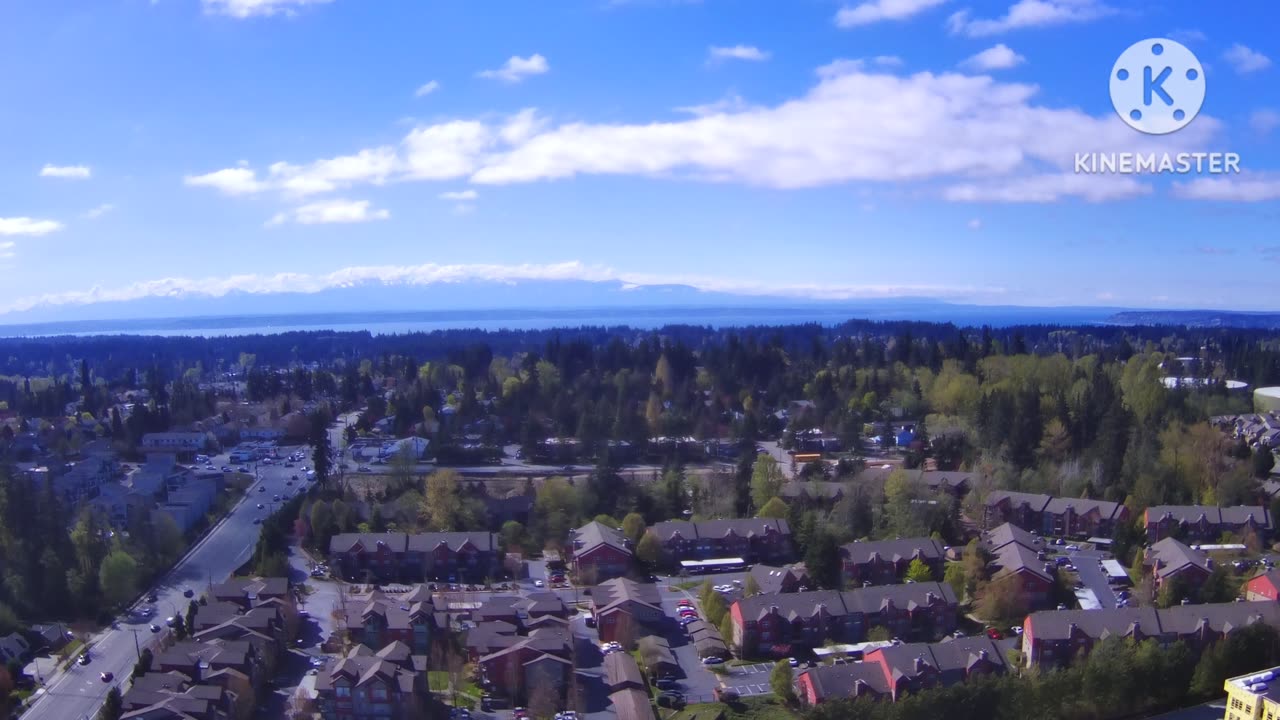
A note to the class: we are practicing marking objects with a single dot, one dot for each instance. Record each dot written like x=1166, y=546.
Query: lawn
x=688, y=585
x=438, y=681
x=753, y=708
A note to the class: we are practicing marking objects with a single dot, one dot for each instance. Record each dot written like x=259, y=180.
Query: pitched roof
x=843, y=681
x=631, y=704
x=1180, y=619
x=426, y=542
x=719, y=529
x=618, y=590
x=771, y=579
x=868, y=600
x=1083, y=506
x=620, y=668
x=1170, y=556
x=1014, y=558
x=1035, y=502
x=595, y=534
x=902, y=549
x=1006, y=533
x=1192, y=514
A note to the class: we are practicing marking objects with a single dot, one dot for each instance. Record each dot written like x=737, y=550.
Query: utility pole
x=136, y=647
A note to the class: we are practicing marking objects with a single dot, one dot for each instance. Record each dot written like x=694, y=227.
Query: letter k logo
x=1156, y=86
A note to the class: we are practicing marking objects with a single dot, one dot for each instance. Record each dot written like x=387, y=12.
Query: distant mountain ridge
x=551, y=303
x=1199, y=318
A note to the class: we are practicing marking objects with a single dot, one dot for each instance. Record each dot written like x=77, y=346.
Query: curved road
x=78, y=692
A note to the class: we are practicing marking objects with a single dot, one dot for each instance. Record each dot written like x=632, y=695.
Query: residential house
x=174, y=695
x=543, y=659
x=1263, y=587
x=13, y=648
x=248, y=592
x=883, y=562
x=706, y=639
x=624, y=610
x=1048, y=515
x=183, y=444
x=767, y=625
x=1018, y=558
x=1055, y=638
x=366, y=685
x=387, y=557
x=599, y=553
x=83, y=481
x=752, y=539
x=890, y=672
x=488, y=637
x=1205, y=523
x=1170, y=559
x=841, y=682
x=771, y=579
x=951, y=482
x=198, y=659
x=377, y=618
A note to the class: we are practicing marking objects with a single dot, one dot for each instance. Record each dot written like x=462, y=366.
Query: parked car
x=152, y=597
x=1072, y=548
x=712, y=661
x=995, y=634
x=793, y=662
x=84, y=658
x=188, y=592
x=226, y=468
x=106, y=676
x=538, y=583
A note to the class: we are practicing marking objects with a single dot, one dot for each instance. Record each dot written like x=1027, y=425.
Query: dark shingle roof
x=867, y=600
x=1036, y=502
x=1181, y=619
x=842, y=681
x=925, y=548
x=1002, y=535
x=1170, y=556
x=594, y=534
x=719, y=529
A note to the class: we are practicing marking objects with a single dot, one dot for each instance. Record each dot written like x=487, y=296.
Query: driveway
x=1092, y=574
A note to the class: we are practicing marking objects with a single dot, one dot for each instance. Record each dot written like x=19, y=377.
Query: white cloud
x=327, y=212
x=6, y=249
x=1048, y=188
x=1188, y=36
x=99, y=211
x=1247, y=188
x=1029, y=14
x=728, y=104
x=1246, y=60
x=975, y=224
x=854, y=125
x=426, y=88
x=459, y=195
x=887, y=60
x=1264, y=121
x=250, y=8
x=231, y=181
x=517, y=68
x=738, y=52
x=875, y=11
x=998, y=57
x=66, y=172
x=28, y=226
x=428, y=274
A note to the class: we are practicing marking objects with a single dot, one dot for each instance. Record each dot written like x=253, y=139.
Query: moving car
x=84, y=658
x=155, y=628
x=106, y=676
x=712, y=661
x=538, y=583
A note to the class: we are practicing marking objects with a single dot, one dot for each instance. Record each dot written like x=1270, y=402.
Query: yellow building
x=1254, y=697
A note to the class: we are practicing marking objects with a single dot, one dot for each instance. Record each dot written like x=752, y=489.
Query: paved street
x=1092, y=574
x=78, y=692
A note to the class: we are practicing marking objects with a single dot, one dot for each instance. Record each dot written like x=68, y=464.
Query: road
x=79, y=692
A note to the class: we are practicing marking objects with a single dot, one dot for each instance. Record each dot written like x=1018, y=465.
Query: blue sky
x=806, y=148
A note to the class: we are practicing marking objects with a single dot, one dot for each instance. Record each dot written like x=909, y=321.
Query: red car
x=684, y=603
x=995, y=634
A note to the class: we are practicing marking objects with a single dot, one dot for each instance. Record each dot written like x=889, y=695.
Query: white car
x=538, y=583
x=1072, y=548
